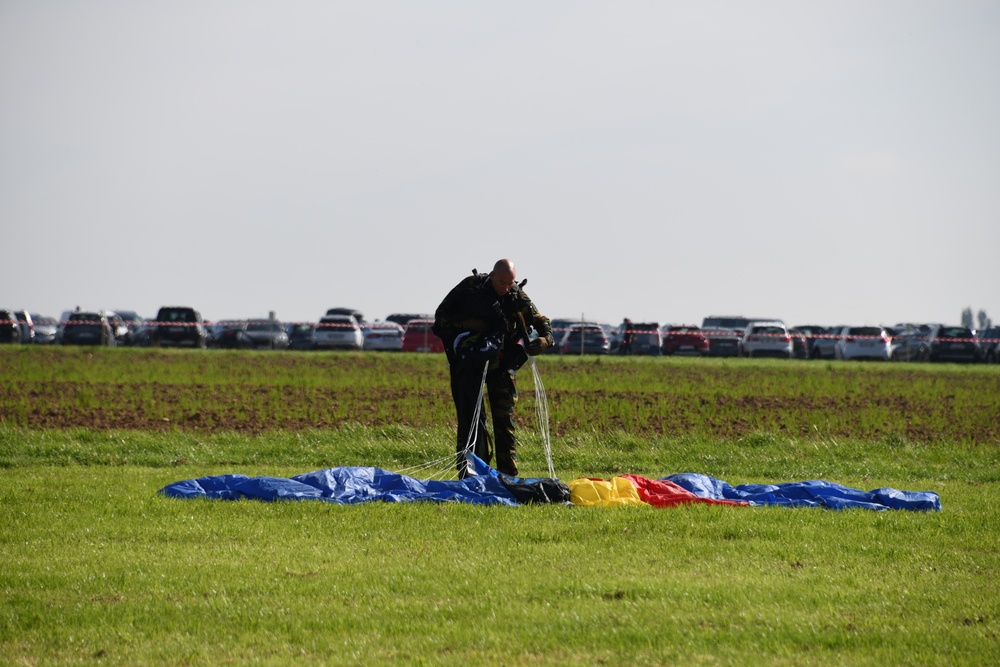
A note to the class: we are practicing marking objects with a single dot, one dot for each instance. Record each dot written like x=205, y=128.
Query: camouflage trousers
x=501, y=391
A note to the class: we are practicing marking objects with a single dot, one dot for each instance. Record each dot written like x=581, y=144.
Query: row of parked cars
x=103, y=327
x=20, y=326
x=338, y=329
x=737, y=336
x=183, y=326
x=347, y=328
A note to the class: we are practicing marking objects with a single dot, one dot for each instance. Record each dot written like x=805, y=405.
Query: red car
x=419, y=337
x=684, y=339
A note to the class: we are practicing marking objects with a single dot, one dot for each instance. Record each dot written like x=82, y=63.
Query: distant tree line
x=984, y=321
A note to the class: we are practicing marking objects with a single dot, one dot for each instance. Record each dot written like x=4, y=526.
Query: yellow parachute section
x=615, y=492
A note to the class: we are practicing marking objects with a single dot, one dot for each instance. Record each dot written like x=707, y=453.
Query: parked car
x=337, y=332
x=901, y=327
x=584, y=339
x=766, y=339
x=819, y=340
x=737, y=322
x=684, y=339
x=951, y=343
x=143, y=337
x=615, y=337
x=908, y=342
x=386, y=336
x=301, y=336
x=353, y=312
x=267, y=334
x=402, y=319
x=88, y=328
x=61, y=324
x=133, y=322
x=800, y=344
x=219, y=327
x=609, y=331
x=230, y=335
x=119, y=329
x=45, y=329
x=10, y=328
x=27, y=326
x=179, y=326
x=560, y=327
x=722, y=342
x=989, y=345
x=647, y=339
x=418, y=337
x=867, y=342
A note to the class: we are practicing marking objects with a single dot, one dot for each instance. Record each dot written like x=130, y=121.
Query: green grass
x=99, y=569
x=718, y=398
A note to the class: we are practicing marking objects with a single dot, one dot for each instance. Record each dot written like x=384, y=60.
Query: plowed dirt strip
x=252, y=408
x=214, y=391
x=729, y=417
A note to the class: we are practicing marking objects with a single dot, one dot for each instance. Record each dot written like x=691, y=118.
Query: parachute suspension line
x=444, y=467
x=542, y=413
x=474, y=428
x=442, y=463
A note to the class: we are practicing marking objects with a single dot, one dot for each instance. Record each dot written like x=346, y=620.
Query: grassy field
x=99, y=569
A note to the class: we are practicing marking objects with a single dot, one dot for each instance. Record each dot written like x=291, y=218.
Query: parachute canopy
x=358, y=484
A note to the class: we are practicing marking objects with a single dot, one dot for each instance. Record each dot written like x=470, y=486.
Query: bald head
x=503, y=276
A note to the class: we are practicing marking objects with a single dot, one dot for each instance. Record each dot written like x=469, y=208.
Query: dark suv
x=989, y=345
x=10, y=328
x=946, y=343
x=584, y=339
x=88, y=328
x=402, y=319
x=179, y=326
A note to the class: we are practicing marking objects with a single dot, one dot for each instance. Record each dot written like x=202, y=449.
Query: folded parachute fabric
x=359, y=484
x=812, y=493
x=347, y=486
x=664, y=493
x=615, y=492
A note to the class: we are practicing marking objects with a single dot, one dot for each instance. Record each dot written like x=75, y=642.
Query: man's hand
x=538, y=346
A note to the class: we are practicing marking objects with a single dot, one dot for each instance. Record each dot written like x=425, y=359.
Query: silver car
x=45, y=329
x=386, y=336
x=338, y=332
x=267, y=334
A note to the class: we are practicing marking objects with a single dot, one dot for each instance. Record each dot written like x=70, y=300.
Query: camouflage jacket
x=473, y=306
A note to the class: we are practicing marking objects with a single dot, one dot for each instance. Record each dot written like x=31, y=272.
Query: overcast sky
x=821, y=162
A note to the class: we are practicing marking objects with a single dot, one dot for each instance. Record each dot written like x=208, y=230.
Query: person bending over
x=485, y=322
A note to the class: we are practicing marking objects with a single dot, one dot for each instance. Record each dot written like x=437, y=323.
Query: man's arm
x=541, y=324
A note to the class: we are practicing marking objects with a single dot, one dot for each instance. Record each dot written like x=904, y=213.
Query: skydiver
x=483, y=322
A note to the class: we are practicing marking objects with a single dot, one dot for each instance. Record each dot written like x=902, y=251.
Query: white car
x=382, y=336
x=27, y=326
x=766, y=339
x=863, y=343
x=338, y=332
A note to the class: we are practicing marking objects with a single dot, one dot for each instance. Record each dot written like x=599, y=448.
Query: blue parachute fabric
x=219, y=487
x=358, y=484
x=811, y=493
x=348, y=485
